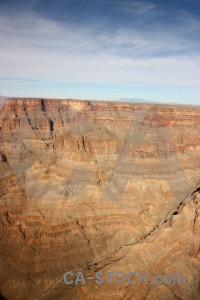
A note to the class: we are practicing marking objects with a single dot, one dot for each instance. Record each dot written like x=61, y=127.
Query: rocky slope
x=2, y=100
x=92, y=186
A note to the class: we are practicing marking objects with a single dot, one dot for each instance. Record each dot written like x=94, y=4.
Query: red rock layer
x=83, y=182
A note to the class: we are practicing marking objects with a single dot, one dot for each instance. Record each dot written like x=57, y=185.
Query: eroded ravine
x=90, y=186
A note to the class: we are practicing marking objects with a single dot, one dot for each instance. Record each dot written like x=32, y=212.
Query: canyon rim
x=88, y=186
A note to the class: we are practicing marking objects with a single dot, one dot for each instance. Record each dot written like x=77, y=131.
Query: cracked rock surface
x=98, y=186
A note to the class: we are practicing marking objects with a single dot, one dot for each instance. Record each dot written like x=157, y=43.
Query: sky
x=101, y=49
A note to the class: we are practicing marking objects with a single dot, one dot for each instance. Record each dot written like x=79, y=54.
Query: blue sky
x=101, y=49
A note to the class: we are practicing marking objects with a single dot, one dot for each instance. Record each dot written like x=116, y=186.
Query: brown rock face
x=93, y=187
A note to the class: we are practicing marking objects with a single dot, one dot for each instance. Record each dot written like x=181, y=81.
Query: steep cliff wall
x=98, y=185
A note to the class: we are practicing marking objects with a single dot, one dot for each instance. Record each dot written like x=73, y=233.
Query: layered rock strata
x=90, y=185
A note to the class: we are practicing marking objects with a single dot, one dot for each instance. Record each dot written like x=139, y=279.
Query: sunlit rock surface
x=98, y=186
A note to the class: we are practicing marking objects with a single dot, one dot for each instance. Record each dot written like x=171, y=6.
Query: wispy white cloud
x=44, y=49
x=140, y=7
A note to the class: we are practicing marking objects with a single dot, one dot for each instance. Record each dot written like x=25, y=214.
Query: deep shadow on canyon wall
x=88, y=185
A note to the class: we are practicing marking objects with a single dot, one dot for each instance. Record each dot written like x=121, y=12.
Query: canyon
x=2, y=100
x=98, y=186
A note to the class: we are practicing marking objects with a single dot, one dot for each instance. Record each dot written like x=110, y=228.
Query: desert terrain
x=98, y=186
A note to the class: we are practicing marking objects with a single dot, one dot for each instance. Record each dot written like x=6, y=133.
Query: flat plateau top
x=53, y=101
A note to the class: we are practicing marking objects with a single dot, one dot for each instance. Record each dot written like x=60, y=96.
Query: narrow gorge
x=98, y=186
